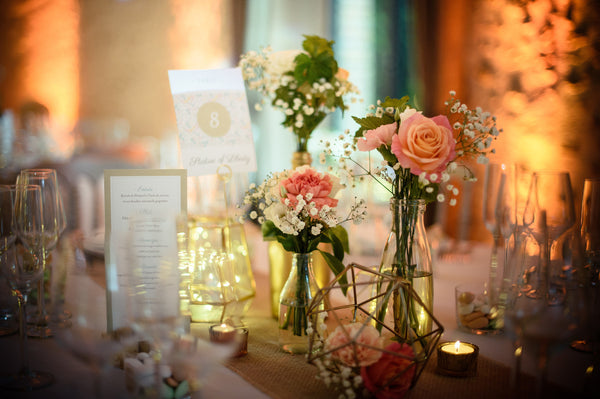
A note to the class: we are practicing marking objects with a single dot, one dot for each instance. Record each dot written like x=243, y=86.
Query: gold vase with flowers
x=305, y=85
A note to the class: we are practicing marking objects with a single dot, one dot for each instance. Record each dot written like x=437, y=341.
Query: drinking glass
x=549, y=213
x=491, y=186
x=8, y=236
x=54, y=224
x=83, y=336
x=538, y=326
x=153, y=308
x=22, y=266
x=590, y=235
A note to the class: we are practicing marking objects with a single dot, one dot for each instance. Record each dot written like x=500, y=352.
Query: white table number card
x=141, y=211
x=213, y=120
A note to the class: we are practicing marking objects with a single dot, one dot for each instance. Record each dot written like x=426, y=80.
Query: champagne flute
x=22, y=266
x=549, y=213
x=54, y=223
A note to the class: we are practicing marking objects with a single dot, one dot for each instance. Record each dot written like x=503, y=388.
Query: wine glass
x=54, y=223
x=549, y=212
x=22, y=266
x=537, y=325
x=590, y=235
x=491, y=185
x=8, y=325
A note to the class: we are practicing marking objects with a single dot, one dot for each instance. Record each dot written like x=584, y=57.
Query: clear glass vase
x=280, y=260
x=407, y=255
x=296, y=295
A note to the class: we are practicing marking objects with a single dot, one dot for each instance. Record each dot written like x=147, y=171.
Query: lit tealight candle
x=458, y=348
x=222, y=333
x=457, y=359
x=227, y=334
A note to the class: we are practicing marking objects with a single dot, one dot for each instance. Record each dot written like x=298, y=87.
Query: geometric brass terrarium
x=348, y=337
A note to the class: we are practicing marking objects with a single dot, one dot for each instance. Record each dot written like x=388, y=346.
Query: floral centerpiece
x=357, y=354
x=306, y=85
x=298, y=208
x=419, y=155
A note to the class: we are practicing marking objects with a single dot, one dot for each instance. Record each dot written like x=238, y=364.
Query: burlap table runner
x=281, y=375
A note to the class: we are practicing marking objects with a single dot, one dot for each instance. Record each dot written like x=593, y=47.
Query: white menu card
x=141, y=210
x=213, y=120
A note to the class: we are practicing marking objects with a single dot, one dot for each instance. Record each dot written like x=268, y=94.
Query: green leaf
x=387, y=155
x=272, y=233
x=337, y=267
x=269, y=231
x=342, y=236
x=372, y=122
x=315, y=45
x=396, y=102
x=289, y=243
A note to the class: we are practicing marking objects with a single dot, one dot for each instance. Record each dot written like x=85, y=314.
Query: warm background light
x=532, y=63
x=41, y=48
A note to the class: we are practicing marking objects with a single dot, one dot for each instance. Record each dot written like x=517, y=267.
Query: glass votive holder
x=242, y=339
x=227, y=334
x=475, y=312
x=457, y=359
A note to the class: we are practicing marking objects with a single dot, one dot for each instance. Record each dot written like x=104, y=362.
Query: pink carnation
x=359, y=344
x=391, y=377
x=375, y=138
x=304, y=181
x=424, y=144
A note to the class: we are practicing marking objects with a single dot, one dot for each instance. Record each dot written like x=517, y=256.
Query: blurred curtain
x=442, y=29
x=395, y=50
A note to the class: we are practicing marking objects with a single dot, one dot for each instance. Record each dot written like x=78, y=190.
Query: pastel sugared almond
x=480, y=322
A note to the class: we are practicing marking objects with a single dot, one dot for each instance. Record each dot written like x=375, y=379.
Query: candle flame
x=223, y=325
x=456, y=346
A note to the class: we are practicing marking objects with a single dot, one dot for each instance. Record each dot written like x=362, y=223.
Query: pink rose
x=391, y=377
x=375, y=138
x=424, y=144
x=358, y=344
x=312, y=185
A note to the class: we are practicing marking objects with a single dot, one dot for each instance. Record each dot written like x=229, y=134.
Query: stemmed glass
x=549, y=212
x=22, y=266
x=590, y=235
x=544, y=316
x=54, y=224
x=491, y=187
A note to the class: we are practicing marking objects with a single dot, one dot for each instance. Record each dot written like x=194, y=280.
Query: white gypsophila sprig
x=476, y=129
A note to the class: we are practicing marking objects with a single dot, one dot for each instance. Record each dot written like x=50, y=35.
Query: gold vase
x=280, y=260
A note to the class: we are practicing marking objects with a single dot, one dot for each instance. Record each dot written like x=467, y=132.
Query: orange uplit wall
x=108, y=60
x=41, y=57
x=536, y=66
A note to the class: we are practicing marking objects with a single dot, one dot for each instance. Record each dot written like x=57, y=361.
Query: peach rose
x=358, y=344
x=424, y=144
x=375, y=138
x=305, y=180
x=342, y=74
x=391, y=377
